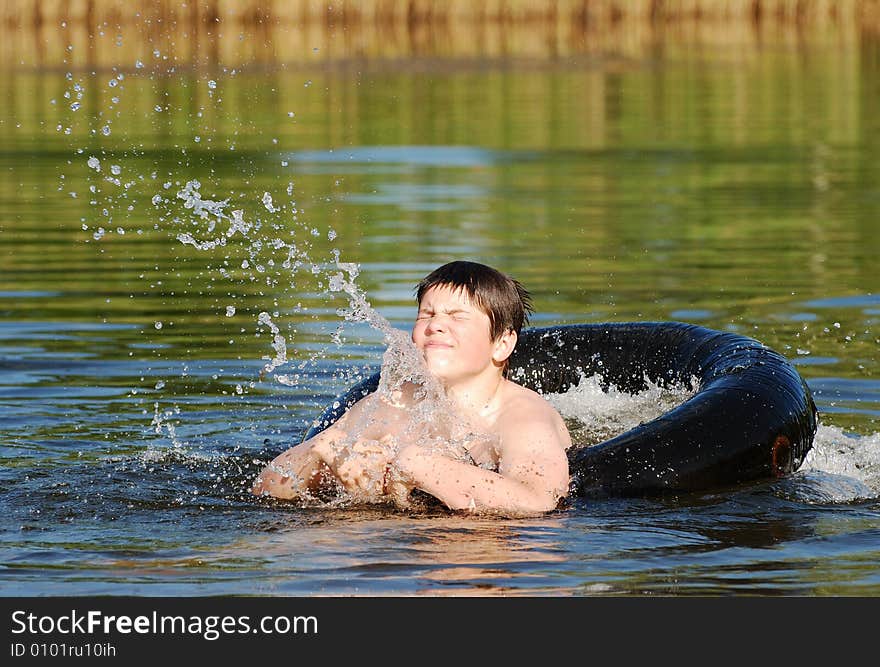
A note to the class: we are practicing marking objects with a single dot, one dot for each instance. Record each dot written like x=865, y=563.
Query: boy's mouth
x=437, y=344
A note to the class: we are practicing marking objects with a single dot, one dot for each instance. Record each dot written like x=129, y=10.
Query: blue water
x=97, y=502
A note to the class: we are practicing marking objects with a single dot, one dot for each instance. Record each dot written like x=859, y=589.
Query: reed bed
x=104, y=33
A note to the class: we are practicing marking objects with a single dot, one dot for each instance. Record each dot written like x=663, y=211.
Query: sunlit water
x=156, y=352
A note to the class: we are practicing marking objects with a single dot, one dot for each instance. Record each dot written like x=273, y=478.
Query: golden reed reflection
x=467, y=556
x=235, y=33
x=434, y=554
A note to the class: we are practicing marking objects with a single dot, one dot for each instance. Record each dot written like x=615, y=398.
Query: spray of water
x=427, y=416
x=841, y=467
x=595, y=413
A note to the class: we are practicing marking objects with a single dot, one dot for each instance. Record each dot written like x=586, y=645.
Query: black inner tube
x=751, y=418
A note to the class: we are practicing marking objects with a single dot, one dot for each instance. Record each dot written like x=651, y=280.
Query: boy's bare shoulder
x=527, y=408
x=522, y=398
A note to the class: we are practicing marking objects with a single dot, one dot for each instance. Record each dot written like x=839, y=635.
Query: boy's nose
x=435, y=324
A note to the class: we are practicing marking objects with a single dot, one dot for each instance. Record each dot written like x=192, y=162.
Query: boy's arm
x=532, y=475
x=359, y=466
x=298, y=470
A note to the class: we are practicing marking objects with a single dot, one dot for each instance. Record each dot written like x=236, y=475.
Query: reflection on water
x=364, y=552
x=736, y=187
x=427, y=34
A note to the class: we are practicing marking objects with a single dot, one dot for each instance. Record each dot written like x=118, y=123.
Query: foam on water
x=594, y=414
x=841, y=467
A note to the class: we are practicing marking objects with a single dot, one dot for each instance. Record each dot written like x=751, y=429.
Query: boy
x=467, y=326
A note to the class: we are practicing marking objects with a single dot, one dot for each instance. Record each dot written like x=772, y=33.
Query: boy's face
x=453, y=335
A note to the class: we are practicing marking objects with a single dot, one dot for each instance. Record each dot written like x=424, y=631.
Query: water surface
x=731, y=189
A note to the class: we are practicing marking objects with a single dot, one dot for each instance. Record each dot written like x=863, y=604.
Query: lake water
x=141, y=390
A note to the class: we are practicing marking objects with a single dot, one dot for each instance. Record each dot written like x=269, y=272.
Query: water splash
x=207, y=225
x=162, y=425
x=594, y=413
x=279, y=343
x=841, y=467
x=211, y=212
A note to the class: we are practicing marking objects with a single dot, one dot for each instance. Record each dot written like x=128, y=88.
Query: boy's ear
x=504, y=346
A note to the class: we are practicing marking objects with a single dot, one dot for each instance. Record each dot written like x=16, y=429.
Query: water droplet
x=212, y=84
x=115, y=169
x=160, y=384
x=230, y=311
x=105, y=130
x=113, y=83
x=158, y=325
x=75, y=106
x=267, y=202
x=94, y=163
x=138, y=64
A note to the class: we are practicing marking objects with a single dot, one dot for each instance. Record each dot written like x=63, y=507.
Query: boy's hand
x=362, y=467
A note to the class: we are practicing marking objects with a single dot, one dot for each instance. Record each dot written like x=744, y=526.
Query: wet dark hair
x=503, y=299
